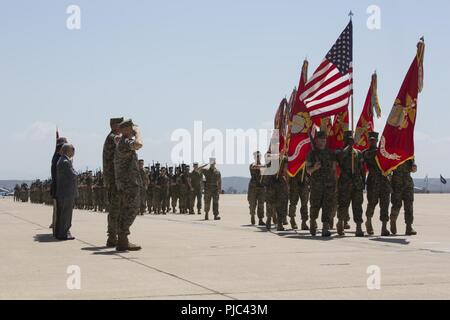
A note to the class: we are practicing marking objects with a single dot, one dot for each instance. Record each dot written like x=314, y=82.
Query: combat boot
x=112, y=241
x=285, y=222
x=253, y=221
x=410, y=231
x=261, y=222
x=124, y=245
x=304, y=226
x=199, y=211
x=206, y=216
x=293, y=224
x=340, y=228
x=326, y=230
x=359, y=232
x=280, y=226
x=269, y=224
x=347, y=225
x=217, y=218
x=384, y=230
x=313, y=228
x=369, y=227
x=394, y=225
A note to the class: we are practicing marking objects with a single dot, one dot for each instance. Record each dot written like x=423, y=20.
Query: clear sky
x=228, y=63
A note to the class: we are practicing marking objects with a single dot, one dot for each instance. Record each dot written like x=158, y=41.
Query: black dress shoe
x=65, y=238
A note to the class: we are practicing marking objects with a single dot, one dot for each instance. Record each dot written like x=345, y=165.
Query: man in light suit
x=65, y=193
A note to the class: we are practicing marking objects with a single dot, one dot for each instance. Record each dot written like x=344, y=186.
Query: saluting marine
x=128, y=182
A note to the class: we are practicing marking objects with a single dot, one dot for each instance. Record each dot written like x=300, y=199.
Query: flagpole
x=352, y=104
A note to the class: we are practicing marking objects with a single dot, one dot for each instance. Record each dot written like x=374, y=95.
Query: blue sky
x=228, y=63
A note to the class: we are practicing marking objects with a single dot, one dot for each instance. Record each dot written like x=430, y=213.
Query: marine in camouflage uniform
x=196, y=182
x=145, y=182
x=150, y=189
x=128, y=182
x=163, y=192
x=213, y=188
x=378, y=188
x=170, y=175
x=256, y=191
x=156, y=190
x=186, y=192
x=109, y=177
x=17, y=193
x=321, y=166
x=351, y=184
x=89, y=191
x=403, y=193
x=98, y=191
x=299, y=190
x=24, y=193
x=175, y=185
x=277, y=194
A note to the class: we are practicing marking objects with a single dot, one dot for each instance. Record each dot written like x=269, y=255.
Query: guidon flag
x=366, y=122
x=300, y=127
x=397, y=142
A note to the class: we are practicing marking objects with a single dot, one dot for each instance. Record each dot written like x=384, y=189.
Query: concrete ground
x=187, y=258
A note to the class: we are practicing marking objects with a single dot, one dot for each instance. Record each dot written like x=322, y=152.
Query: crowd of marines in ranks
x=164, y=190
x=332, y=182
x=22, y=193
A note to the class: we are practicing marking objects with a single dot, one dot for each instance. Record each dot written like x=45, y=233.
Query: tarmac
x=185, y=257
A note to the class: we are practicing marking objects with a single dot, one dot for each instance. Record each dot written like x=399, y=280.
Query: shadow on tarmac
x=45, y=238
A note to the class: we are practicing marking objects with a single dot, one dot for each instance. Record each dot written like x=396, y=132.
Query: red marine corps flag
x=336, y=134
x=329, y=90
x=397, y=142
x=300, y=125
x=366, y=123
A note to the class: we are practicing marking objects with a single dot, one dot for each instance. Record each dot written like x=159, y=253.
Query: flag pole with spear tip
x=352, y=105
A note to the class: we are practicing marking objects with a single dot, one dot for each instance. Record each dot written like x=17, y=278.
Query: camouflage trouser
x=190, y=200
x=349, y=194
x=256, y=199
x=90, y=199
x=298, y=192
x=157, y=200
x=378, y=191
x=128, y=209
x=143, y=199
x=183, y=203
x=149, y=197
x=322, y=196
x=403, y=193
x=197, y=195
x=212, y=194
x=164, y=196
x=277, y=202
x=175, y=194
x=113, y=210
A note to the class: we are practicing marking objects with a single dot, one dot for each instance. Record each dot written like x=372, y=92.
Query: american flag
x=329, y=89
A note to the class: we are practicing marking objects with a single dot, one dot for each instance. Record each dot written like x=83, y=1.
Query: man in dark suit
x=59, y=143
x=66, y=192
